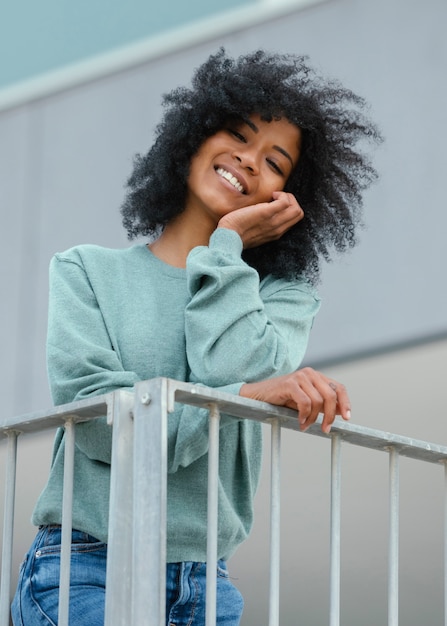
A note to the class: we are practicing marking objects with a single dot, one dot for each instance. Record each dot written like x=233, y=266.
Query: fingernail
x=348, y=415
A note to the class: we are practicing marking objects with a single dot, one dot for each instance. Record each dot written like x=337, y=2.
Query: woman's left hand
x=306, y=390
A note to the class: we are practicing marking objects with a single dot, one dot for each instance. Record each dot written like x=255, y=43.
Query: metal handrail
x=139, y=449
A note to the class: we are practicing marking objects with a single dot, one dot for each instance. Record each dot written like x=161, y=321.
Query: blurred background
x=80, y=94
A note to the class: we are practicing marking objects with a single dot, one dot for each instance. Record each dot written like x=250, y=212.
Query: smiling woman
x=253, y=176
x=327, y=176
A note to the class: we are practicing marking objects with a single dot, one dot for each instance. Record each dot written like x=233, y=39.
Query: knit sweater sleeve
x=81, y=361
x=236, y=328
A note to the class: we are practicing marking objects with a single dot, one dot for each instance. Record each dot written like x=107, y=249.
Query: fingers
x=343, y=402
x=306, y=390
x=285, y=211
x=323, y=401
x=267, y=221
x=327, y=396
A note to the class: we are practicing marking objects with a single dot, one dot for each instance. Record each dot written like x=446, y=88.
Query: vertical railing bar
x=275, y=519
x=118, y=609
x=150, y=498
x=393, y=550
x=8, y=527
x=67, y=510
x=335, y=530
x=211, y=546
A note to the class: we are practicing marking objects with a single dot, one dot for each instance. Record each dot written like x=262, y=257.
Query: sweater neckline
x=162, y=267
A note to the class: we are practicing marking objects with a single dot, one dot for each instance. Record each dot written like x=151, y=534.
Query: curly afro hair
x=328, y=181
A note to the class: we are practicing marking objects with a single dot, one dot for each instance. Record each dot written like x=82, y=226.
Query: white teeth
x=231, y=179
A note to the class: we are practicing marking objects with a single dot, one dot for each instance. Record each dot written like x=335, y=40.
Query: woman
x=253, y=177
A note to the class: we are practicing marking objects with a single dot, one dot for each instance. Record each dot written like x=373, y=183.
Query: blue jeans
x=36, y=599
x=186, y=592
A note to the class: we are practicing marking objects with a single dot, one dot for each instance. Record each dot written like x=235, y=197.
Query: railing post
x=335, y=530
x=67, y=510
x=150, y=484
x=118, y=609
x=67, y=514
x=393, y=554
x=275, y=519
x=211, y=548
x=8, y=526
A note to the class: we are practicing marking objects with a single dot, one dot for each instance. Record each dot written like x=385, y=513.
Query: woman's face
x=242, y=165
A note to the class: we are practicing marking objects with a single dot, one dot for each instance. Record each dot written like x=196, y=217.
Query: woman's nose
x=247, y=159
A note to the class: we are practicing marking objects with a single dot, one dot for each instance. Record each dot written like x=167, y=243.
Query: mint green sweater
x=120, y=316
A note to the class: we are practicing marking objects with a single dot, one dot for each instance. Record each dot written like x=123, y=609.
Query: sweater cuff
x=226, y=240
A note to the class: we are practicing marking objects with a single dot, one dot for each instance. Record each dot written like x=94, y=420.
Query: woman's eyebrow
x=278, y=148
x=285, y=153
x=252, y=126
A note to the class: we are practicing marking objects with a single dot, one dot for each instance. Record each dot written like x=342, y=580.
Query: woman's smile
x=234, y=178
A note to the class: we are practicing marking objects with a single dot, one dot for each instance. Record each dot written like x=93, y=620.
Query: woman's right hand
x=266, y=221
x=306, y=390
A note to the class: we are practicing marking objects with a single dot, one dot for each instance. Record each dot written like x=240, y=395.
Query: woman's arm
x=238, y=329
x=81, y=361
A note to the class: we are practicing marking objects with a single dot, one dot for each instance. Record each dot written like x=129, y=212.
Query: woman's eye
x=237, y=134
x=275, y=167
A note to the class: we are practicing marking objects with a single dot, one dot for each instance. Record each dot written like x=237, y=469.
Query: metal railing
x=135, y=593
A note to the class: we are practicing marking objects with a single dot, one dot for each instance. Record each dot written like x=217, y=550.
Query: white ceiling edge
x=166, y=42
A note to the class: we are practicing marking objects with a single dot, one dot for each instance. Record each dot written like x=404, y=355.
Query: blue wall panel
x=37, y=37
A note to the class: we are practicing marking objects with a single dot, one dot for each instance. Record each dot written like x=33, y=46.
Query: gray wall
x=63, y=161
